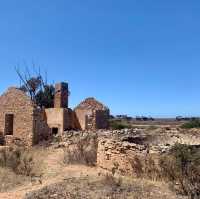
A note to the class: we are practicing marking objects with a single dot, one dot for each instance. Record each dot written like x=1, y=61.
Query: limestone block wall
x=41, y=129
x=60, y=118
x=81, y=117
x=69, y=119
x=89, y=119
x=18, y=104
x=92, y=114
x=55, y=118
x=102, y=119
x=112, y=152
x=61, y=95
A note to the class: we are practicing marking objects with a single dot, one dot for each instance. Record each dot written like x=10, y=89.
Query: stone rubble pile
x=117, y=148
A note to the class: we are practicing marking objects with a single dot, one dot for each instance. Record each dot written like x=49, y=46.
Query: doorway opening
x=54, y=131
x=9, y=124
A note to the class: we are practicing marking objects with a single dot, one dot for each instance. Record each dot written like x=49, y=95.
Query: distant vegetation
x=144, y=118
x=194, y=123
x=118, y=124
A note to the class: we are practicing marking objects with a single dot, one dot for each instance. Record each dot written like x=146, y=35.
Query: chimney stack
x=61, y=95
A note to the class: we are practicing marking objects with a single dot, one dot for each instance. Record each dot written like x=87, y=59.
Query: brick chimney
x=61, y=95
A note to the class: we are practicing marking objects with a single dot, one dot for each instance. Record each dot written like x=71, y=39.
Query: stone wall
x=119, y=155
x=61, y=95
x=69, y=119
x=59, y=118
x=81, y=117
x=41, y=130
x=92, y=114
x=24, y=117
x=102, y=119
x=89, y=119
x=16, y=102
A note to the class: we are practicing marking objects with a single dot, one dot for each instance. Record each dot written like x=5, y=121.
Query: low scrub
x=145, y=168
x=19, y=160
x=111, y=181
x=105, y=187
x=195, y=123
x=181, y=168
x=9, y=180
x=84, y=151
x=119, y=125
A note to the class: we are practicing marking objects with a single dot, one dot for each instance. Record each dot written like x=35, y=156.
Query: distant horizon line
x=158, y=117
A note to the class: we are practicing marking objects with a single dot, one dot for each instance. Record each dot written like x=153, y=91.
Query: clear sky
x=139, y=57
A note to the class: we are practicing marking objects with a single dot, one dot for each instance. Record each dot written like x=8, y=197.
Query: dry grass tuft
x=19, y=166
x=84, y=151
x=9, y=180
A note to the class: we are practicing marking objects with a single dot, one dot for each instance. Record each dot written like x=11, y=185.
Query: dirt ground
x=61, y=181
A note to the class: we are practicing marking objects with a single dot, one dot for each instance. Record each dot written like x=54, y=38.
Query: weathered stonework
x=61, y=95
x=20, y=119
x=91, y=115
x=59, y=119
x=113, y=153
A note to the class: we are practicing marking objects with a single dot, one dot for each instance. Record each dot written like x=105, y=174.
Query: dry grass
x=79, y=188
x=20, y=160
x=181, y=168
x=145, y=168
x=84, y=151
x=19, y=166
x=10, y=180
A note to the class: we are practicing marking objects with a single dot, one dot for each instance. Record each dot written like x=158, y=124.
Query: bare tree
x=35, y=86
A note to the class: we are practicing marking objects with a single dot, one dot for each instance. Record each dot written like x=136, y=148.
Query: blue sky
x=139, y=57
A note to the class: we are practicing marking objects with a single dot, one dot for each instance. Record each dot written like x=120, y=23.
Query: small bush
x=111, y=181
x=181, y=168
x=119, y=125
x=195, y=123
x=9, y=180
x=152, y=127
x=17, y=159
x=84, y=151
x=145, y=168
x=137, y=166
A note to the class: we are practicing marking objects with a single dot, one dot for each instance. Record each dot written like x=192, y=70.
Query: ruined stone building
x=22, y=120
x=91, y=114
x=60, y=118
x=88, y=115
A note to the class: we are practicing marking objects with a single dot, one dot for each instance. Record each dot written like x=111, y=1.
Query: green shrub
x=195, y=123
x=119, y=125
x=181, y=168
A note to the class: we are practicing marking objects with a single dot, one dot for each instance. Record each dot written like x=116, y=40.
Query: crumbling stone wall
x=61, y=95
x=69, y=119
x=41, y=130
x=16, y=103
x=60, y=118
x=102, y=119
x=81, y=116
x=114, y=154
x=92, y=115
